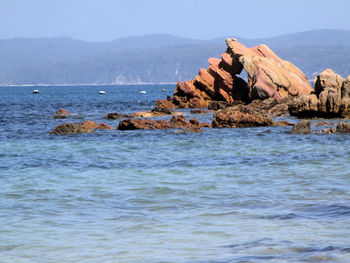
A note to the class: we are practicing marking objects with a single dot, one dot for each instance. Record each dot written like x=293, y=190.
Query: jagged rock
x=218, y=105
x=236, y=119
x=116, y=116
x=331, y=98
x=343, y=127
x=136, y=124
x=268, y=76
x=164, y=106
x=302, y=127
x=70, y=128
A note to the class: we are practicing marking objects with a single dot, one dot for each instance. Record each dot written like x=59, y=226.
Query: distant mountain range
x=155, y=58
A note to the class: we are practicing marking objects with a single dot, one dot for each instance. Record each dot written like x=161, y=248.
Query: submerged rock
x=70, y=128
x=142, y=124
x=302, y=127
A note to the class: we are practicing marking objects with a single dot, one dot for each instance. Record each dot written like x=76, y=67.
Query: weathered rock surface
x=93, y=125
x=343, y=127
x=302, y=127
x=147, y=114
x=268, y=76
x=164, y=106
x=143, y=124
x=232, y=118
x=104, y=126
x=70, y=128
x=176, y=122
x=331, y=98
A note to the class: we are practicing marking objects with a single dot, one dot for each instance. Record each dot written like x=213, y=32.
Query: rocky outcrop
x=176, y=122
x=330, y=100
x=93, y=125
x=302, y=127
x=268, y=77
x=231, y=118
x=70, y=128
x=146, y=114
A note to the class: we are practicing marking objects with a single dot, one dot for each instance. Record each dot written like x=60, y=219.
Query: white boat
x=102, y=92
x=163, y=90
x=143, y=92
x=36, y=91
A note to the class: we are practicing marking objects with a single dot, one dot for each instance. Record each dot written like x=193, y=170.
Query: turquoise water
x=224, y=195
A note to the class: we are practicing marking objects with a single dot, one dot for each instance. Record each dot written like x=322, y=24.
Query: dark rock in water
x=331, y=98
x=137, y=124
x=61, y=114
x=164, y=106
x=237, y=119
x=343, y=127
x=116, y=116
x=176, y=122
x=302, y=127
x=70, y=128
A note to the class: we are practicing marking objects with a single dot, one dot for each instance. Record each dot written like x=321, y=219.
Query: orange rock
x=104, y=126
x=90, y=125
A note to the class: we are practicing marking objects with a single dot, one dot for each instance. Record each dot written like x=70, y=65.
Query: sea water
x=223, y=195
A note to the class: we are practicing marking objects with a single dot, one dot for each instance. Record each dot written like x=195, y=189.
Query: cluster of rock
x=330, y=99
x=274, y=87
x=304, y=127
x=268, y=77
x=176, y=122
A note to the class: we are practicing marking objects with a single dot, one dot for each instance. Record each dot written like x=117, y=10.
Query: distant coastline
x=86, y=84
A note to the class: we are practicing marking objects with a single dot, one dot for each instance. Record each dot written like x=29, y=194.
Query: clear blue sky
x=100, y=20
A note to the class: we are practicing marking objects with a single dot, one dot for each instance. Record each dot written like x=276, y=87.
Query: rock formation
x=302, y=127
x=176, y=122
x=343, y=127
x=268, y=77
x=231, y=118
x=70, y=128
x=330, y=100
x=61, y=114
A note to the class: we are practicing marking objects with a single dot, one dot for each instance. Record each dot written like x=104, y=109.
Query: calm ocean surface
x=224, y=195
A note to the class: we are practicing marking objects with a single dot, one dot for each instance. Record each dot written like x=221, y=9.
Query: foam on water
x=224, y=195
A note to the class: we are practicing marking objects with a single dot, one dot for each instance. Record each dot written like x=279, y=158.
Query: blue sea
x=222, y=195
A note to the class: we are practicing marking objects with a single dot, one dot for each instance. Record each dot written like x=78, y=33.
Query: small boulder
x=343, y=127
x=302, y=127
x=104, y=126
x=70, y=128
x=61, y=114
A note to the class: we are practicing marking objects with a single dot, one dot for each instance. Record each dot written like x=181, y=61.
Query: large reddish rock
x=331, y=98
x=230, y=118
x=93, y=125
x=268, y=76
